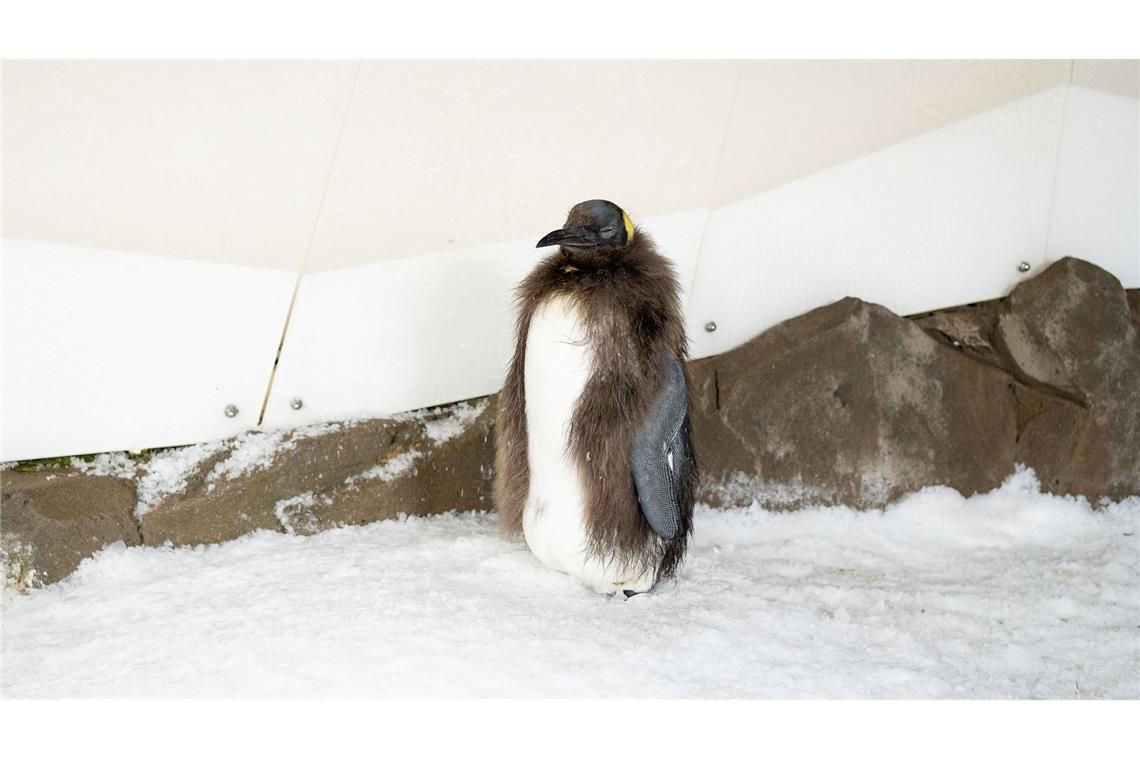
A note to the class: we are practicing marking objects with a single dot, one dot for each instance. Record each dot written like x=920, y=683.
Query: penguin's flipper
x=661, y=454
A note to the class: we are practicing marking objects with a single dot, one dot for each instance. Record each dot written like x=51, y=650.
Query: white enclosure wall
x=938, y=220
x=166, y=224
x=1097, y=194
x=106, y=350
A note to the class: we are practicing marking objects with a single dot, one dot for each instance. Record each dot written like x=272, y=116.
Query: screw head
x=231, y=410
x=296, y=403
x=1023, y=267
x=710, y=326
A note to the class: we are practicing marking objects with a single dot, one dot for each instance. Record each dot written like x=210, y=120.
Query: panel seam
x=312, y=239
x=715, y=183
x=1057, y=164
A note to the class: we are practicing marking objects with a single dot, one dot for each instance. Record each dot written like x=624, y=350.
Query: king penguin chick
x=593, y=462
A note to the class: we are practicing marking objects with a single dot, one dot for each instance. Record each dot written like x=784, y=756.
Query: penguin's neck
x=590, y=260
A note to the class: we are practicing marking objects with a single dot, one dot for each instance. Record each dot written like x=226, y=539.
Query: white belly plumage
x=557, y=366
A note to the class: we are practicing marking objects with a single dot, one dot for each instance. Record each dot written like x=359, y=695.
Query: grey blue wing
x=661, y=455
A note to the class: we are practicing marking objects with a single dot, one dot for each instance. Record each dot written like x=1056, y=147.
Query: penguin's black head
x=592, y=224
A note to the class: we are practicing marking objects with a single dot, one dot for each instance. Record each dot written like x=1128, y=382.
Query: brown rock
x=317, y=478
x=970, y=329
x=220, y=503
x=53, y=518
x=1134, y=304
x=850, y=404
x=1071, y=331
x=445, y=465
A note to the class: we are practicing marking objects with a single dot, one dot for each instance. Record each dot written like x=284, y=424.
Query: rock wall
x=849, y=404
x=298, y=481
x=852, y=404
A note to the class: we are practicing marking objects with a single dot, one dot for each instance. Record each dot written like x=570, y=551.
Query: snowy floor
x=1009, y=594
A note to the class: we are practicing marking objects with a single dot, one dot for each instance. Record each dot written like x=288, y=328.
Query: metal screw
x=231, y=410
x=1023, y=267
x=710, y=326
x=296, y=403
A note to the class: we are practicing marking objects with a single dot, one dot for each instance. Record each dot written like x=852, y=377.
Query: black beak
x=572, y=237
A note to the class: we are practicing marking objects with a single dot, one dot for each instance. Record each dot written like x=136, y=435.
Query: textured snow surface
x=1007, y=594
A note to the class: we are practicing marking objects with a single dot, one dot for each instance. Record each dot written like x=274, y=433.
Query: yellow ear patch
x=628, y=226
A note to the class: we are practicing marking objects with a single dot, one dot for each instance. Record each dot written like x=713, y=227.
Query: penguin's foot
x=623, y=594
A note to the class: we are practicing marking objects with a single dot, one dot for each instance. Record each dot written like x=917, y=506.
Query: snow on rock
x=741, y=488
x=441, y=429
x=293, y=514
x=166, y=473
x=256, y=449
x=20, y=572
x=321, y=428
x=1007, y=594
x=116, y=465
x=251, y=451
x=388, y=471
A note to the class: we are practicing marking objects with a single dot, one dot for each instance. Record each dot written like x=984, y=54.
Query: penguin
x=594, y=462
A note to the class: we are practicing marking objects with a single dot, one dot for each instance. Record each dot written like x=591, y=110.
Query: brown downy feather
x=629, y=302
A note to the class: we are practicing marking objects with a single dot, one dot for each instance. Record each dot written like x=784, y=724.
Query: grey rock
x=420, y=463
x=853, y=404
x=52, y=518
x=418, y=473
x=1071, y=330
x=849, y=404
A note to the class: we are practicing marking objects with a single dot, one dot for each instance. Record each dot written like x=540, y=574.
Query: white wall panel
x=413, y=332
x=938, y=220
x=678, y=236
x=1096, y=209
x=104, y=351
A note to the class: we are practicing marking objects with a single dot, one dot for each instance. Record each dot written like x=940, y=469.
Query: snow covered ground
x=1007, y=594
